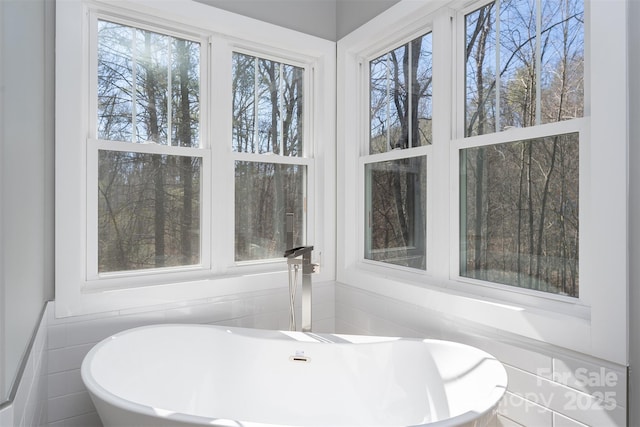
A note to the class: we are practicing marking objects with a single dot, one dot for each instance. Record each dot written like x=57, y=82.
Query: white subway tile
x=506, y=422
x=69, y=406
x=599, y=381
x=565, y=400
x=68, y=358
x=86, y=420
x=326, y=326
x=57, y=336
x=65, y=382
x=526, y=411
x=562, y=421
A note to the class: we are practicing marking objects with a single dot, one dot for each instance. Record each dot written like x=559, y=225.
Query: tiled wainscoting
x=51, y=392
x=28, y=399
x=548, y=386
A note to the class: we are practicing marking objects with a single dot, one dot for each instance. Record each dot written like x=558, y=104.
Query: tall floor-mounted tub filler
x=203, y=375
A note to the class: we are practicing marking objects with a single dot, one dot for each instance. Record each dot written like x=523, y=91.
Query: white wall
x=29, y=405
x=634, y=213
x=27, y=139
x=3, y=380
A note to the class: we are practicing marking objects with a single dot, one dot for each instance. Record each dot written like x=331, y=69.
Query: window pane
x=395, y=213
x=148, y=86
x=562, y=84
x=480, y=80
x=265, y=193
x=148, y=211
x=523, y=75
x=400, y=97
x=517, y=64
x=519, y=214
x=267, y=106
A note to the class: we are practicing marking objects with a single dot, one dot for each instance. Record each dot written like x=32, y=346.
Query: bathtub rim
x=489, y=404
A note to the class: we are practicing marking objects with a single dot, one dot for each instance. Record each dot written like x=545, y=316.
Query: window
x=147, y=139
x=519, y=200
x=268, y=120
x=185, y=135
x=400, y=122
x=400, y=97
x=526, y=170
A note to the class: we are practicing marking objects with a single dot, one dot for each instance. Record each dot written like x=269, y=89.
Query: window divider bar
x=538, y=54
x=409, y=85
x=134, y=89
x=397, y=154
x=271, y=158
x=388, y=103
x=498, y=79
x=169, y=94
x=147, y=148
x=256, y=101
x=279, y=109
x=519, y=134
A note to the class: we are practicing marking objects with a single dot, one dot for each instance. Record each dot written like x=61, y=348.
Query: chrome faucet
x=301, y=256
x=297, y=257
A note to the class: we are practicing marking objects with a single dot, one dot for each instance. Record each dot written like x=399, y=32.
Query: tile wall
x=51, y=392
x=548, y=386
x=70, y=339
x=28, y=405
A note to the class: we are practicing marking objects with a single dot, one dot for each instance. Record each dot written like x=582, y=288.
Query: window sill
x=566, y=323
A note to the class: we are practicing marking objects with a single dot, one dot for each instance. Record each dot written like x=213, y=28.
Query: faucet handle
x=310, y=268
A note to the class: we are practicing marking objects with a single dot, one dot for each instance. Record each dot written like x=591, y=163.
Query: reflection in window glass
x=396, y=212
x=148, y=86
x=267, y=106
x=400, y=97
x=519, y=214
x=522, y=75
x=148, y=211
x=264, y=194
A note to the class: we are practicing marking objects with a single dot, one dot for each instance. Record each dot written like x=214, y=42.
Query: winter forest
x=523, y=67
x=518, y=200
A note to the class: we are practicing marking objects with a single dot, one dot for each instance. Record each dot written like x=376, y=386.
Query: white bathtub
x=185, y=375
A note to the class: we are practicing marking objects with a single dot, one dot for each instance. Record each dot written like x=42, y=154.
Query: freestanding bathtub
x=185, y=375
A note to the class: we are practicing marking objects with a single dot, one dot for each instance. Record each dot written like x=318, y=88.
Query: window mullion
x=497, y=65
x=134, y=89
x=388, y=101
x=409, y=85
x=279, y=110
x=169, y=94
x=538, y=66
x=256, y=102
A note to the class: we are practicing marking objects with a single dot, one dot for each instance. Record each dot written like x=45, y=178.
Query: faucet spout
x=297, y=251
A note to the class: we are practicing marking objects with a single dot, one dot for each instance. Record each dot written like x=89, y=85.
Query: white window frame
x=595, y=323
x=425, y=151
x=143, y=277
x=306, y=158
x=79, y=288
